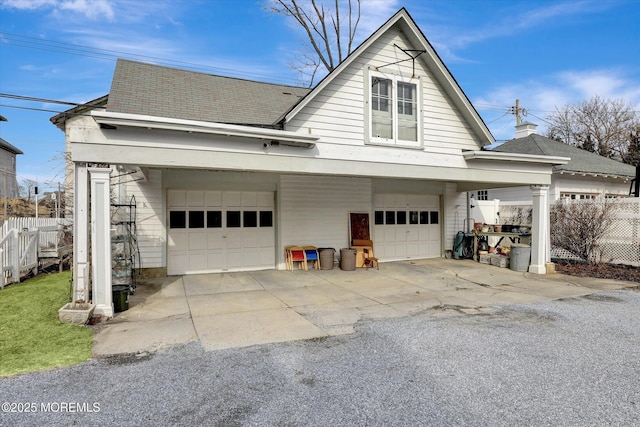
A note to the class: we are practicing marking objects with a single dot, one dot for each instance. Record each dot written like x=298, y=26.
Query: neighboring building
x=587, y=175
x=8, y=175
x=227, y=172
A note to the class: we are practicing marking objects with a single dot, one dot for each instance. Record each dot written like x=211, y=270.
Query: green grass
x=31, y=336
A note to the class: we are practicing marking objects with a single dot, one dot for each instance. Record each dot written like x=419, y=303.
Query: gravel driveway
x=574, y=362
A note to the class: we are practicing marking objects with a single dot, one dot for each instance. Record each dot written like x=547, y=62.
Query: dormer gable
x=396, y=66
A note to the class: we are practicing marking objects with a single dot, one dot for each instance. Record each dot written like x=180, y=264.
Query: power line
x=48, y=101
x=20, y=40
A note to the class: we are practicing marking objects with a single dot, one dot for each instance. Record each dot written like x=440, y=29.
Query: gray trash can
x=348, y=259
x=520, y=257
x=326, y=258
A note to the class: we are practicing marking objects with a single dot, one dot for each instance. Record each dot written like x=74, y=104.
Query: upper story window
x=394, y=117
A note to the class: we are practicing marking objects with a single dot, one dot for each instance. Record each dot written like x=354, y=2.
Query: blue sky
x=546, y=53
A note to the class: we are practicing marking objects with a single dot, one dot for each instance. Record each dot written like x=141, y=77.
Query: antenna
x=413, y=54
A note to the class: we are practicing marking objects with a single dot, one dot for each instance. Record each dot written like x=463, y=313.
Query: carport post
x=540, y=229
x=81, y=232
x=101, y=241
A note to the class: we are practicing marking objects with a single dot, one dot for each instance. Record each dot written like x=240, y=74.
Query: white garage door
x=407, y=226
x=212, y=231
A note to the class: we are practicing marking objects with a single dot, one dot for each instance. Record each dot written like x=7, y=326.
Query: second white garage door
x=407, y=226
x=212, y=231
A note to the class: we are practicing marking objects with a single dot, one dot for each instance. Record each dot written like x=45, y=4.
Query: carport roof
x=153, y=90
x=582, y=161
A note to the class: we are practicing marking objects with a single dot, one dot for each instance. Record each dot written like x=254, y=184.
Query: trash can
x=326, y=258
x=520, y=257
x=348, y=259
x=120, y=298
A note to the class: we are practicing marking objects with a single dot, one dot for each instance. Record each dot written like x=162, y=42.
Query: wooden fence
x=28, y=244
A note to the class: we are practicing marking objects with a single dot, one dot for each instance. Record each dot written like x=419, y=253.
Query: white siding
x=314, y=210
x=563, y=184
x=455, y=212
x=150, y=218
x=344, y=99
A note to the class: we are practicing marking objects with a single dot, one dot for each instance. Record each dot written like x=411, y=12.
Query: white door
x=407, y=226
x=211, y=231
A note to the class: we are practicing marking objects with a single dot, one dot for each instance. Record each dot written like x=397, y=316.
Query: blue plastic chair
x=311, y=253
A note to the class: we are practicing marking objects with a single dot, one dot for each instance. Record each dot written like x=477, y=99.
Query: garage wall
x=315, y=210
x=150, y=218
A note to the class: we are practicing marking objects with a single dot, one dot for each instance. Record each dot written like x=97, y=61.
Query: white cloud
x=92, y=9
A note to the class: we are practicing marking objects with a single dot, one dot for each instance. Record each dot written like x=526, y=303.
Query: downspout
x=468, y=230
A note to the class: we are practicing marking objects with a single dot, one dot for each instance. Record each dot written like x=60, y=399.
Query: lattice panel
x=621, y=244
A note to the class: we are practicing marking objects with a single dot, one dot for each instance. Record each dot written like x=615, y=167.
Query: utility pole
x=517, y=111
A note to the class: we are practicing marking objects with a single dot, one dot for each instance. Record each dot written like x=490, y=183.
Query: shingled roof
x=10, y=148
x=582, y=161
x=147, y=89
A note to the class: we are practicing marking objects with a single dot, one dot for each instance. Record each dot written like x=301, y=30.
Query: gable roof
x=153, y=90
x=582, y=162
x=431, y=59
x=8, y=147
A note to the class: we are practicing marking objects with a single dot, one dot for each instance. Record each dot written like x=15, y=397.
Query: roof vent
x=525, y=129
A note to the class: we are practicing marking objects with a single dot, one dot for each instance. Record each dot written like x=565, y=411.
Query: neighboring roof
x=432, y=60
x=582, y=161
x=10, y=148
x=153, y=90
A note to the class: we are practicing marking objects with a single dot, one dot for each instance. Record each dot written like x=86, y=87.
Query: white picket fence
x=26, y=243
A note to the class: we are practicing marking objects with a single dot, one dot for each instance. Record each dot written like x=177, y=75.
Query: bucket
x=326, y=258
x=520, y=257
x=348, y=259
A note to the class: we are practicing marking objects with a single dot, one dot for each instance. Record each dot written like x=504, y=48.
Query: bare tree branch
x=324, y=29
x=600, y=125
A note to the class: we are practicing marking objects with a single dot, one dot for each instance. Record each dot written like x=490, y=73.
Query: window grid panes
x=394, y=110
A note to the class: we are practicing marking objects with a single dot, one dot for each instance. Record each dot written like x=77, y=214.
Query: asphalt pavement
x=569, y=362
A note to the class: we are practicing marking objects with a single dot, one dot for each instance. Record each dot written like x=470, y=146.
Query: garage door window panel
x=233, y=219
x=177, y=219
x=196, y=219
x=250, y=219
x=266, y=219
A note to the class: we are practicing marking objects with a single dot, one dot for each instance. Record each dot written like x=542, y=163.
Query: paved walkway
x=228, y=310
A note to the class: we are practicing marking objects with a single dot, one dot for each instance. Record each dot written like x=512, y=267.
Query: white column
x=101, y=241
x=81, y=232
x=540, y=229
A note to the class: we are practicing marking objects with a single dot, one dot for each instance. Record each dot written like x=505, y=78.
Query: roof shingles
x=139, y=88
x=582, y=161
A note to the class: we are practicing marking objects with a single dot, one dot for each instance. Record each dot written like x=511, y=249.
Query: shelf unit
x=124, y=245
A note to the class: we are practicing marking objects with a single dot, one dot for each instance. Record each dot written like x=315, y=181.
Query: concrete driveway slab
x=242, y=309
x=202, y=284
x=143, y=335
x=233, y=302
x=296, y=297
x=231, y=330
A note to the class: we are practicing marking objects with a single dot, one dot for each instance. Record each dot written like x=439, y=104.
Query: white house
x=587, y=175
x=227, y=172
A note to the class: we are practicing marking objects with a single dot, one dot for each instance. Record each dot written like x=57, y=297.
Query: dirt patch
x=601, y=271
